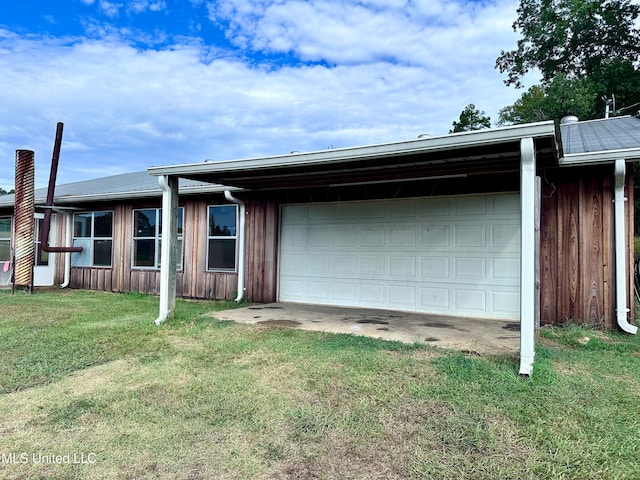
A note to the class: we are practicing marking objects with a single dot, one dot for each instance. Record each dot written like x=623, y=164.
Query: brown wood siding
x=577, y=246
x=262, y=249
x=193, y=281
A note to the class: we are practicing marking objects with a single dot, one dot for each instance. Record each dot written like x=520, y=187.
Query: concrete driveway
x=469, y=334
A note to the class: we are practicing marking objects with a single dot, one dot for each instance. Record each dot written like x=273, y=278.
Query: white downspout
x=620, y=243
x=168, y=253
x=241, y=241
x=527, y=255
x=67, y=256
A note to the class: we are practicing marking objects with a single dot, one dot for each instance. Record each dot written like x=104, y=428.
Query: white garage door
x=447, y=255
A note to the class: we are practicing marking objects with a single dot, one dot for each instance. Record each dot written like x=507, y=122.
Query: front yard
x=91, y=389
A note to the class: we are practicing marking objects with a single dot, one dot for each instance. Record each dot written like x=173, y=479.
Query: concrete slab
x=469, y=334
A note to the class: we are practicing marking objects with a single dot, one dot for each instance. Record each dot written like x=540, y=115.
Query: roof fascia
x=602, y=157
x=140, y=194
x=341, y=155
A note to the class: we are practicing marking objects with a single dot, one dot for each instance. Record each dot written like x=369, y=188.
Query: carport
x=499, y=160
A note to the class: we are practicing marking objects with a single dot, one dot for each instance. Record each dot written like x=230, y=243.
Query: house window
x=147, y=230
x=221, y=237
x=93, y=231
x=5, y=239
x=42, y=257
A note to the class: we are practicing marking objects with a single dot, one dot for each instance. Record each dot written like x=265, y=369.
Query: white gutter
x=527, y=255
x=621, y=264
x=241, y=241
x=594, y=158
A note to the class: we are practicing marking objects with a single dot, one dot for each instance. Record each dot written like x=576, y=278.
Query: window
x=42, y=257
x=5, y=239
x=93, y=232
x=147, y=230
x=221, y=237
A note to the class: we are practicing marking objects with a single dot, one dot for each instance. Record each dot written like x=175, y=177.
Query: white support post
x=168, y=254
x=527, y=255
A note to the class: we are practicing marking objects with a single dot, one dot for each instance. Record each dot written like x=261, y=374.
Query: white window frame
x=223, y=237
x=39, y=217
x=157, y=239
x=90, y=240
x=8, y=239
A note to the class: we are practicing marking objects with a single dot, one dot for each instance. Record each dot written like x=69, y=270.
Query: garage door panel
x=435, y=235
x=371, y=294
x=469, y=236
x=469, y=300
x=505, y=301
x=472, y=205
x=402, y=296
x=404, y=267
x=435, y=268
x=400, y=236
x=451, y=255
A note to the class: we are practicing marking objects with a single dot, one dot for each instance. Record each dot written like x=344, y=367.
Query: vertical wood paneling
x=270, y=290
x=582, y=215
x=568, y=251
x=608, y=258
x=549, y=255
x=630, y=250
x=590, y=208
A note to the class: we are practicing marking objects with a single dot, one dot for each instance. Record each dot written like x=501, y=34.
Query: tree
x=558, y=98
x=5, y=192
x=584, y=49
x=471, y=119
x=574, y=37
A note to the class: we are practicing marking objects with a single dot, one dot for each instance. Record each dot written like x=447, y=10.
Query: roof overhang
x=603, y=157
x=483, y=151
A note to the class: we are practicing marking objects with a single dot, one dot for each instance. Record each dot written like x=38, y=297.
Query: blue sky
x=159, y=82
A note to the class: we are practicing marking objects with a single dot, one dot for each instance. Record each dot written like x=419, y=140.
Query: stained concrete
x=469, y=334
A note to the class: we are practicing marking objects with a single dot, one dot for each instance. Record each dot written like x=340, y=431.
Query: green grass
x=87, y=372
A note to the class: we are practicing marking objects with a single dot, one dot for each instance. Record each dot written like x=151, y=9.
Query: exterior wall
x=577, y=269
x=261, y=280
x=193, y=281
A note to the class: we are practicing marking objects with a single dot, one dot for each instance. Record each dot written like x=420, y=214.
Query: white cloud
x=110, y=9
x=394, y=77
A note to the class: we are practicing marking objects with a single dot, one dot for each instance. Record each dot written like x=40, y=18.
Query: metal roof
x=484, y=151
x=600, y=141
x=116, y=187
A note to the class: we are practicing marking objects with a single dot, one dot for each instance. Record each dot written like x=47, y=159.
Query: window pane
x=102, y=253
x=222, y=254
x=179, y=253
x=222, y=221
x=180, y=216
x=43, y=257
x=102, y=224
x=144, y=253
x=5, y=250
x=82, y=225
x=5, y=227
x=81, y=259
x=144, y=223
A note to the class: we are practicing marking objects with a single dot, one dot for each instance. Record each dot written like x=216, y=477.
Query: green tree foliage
x=558, y=98
x=584, y=50
x=574, y=37
x=471, y=119
x=5, y=192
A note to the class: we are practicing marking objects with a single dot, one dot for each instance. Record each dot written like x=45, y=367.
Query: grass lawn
x=86, y=377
